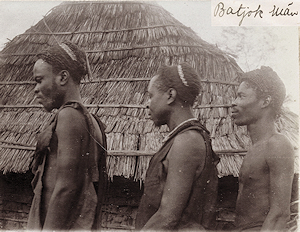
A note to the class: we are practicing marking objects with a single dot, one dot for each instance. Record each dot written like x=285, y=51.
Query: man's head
x=261, y=89
x=56, y=69
x=172, y=86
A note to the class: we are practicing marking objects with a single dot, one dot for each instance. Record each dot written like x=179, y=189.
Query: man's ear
x=64, y=77
x=172, y=93
x=267, y=101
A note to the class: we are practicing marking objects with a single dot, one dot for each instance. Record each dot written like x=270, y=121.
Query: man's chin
x=47, y=108
x=156, y=123
x=238, y=123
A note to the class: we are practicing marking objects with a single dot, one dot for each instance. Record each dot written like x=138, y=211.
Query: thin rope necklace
x=179, y=125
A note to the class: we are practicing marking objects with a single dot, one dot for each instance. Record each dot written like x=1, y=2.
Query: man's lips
x=38, y=99
x=148, y=115
x=234, y=113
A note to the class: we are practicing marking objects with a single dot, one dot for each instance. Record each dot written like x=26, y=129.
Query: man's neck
x=72, y=95
x=261, y=130
x=178, y=116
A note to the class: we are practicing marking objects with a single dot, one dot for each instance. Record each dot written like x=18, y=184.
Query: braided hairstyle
x=266, y=82
x=66, y=56
x=183, y=78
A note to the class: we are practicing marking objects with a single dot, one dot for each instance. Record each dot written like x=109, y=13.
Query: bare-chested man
x=266, y=175
x=69, y=161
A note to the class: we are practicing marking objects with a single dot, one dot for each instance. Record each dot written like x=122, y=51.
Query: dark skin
x=184, y=161
x=267, y=171
x=265, y=183
x=64, y=167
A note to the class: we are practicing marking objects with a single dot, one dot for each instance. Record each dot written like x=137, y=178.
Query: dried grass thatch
x=126, y=42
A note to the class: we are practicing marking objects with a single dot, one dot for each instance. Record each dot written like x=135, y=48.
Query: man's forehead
x=41, y=64
x=246, y=87
x=152, y=82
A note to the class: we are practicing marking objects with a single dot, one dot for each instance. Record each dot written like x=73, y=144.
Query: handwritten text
x=283, y=12
x=241, y=12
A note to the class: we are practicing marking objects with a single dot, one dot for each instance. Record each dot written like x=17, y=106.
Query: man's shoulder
x=188, y=135
x=279, y=146
x=70, y=117
x=187, y=146
x=189, y=140
x=278, y=142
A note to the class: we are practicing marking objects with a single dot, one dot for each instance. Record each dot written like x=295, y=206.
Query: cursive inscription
x=283, y=12
x=261, y=12
x=242, y=11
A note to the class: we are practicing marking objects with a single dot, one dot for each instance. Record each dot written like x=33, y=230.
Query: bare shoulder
x=192, y=137
x=279, y=149
x=279, y=143
x=189, y=142
x=70, y=118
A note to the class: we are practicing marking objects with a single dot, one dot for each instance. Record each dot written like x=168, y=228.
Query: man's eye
x=38, y=79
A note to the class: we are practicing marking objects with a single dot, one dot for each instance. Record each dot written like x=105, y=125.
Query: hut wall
x=120, y=207
x=15, y=200
x=119, y=210
x=121, y=202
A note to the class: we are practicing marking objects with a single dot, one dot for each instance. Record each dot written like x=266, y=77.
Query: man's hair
x=66, y=56
x=183, y=78
x=266, y=82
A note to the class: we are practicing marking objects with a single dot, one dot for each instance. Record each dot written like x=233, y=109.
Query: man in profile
x=69, y=161
x=266, y=175
x=181, y=182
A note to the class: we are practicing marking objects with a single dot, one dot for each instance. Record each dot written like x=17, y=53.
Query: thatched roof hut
x=126, y=42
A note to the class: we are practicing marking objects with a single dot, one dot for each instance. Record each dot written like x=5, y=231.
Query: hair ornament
x=68, y=51
x=181, y=75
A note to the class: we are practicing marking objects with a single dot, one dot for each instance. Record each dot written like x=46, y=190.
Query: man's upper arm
x=280, y=159
x=70, y=165
x=70, y=130
x=185, y=159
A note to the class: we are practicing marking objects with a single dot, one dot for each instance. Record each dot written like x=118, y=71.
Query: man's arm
x=70, y=130
x=280, y=159
x=184, y=158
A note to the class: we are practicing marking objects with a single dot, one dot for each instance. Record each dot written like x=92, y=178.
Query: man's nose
x=233, y=103
x=36, y=89
x=147, y=104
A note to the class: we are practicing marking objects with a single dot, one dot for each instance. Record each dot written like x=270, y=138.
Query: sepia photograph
x=149, y=115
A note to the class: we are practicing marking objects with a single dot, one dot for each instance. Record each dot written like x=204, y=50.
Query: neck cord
x=179, y=125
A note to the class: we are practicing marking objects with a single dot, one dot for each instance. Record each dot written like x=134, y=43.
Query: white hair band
x=68, y=51
x=181, y=75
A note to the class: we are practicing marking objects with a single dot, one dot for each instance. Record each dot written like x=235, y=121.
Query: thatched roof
x=126, y=42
